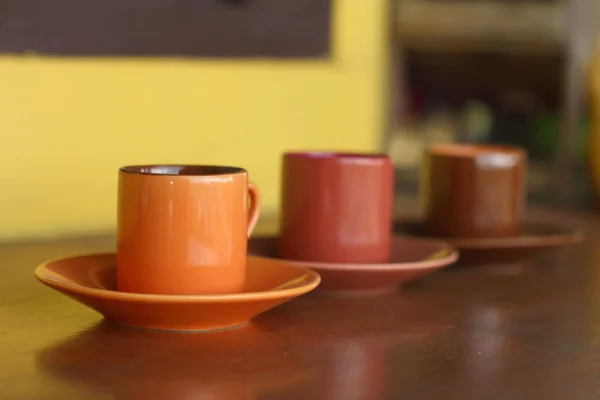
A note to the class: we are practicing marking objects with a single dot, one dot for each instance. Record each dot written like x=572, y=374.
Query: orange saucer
x=411, y=258
x=536, y=238
x=91, y=280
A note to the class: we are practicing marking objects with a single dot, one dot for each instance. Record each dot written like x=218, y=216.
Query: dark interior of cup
x=202, y=170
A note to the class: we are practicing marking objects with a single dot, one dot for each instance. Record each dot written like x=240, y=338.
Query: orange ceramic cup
x=183, y=229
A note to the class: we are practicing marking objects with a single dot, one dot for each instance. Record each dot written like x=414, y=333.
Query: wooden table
x=497, y=332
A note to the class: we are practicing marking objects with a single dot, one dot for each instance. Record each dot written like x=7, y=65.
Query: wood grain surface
x=505, y=332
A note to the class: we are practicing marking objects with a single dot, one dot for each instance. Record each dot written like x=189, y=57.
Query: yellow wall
x=67, y=125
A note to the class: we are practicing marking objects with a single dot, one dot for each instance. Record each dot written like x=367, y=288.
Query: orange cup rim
x=181, y=170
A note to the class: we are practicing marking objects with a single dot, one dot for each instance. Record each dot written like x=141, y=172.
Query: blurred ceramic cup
x=183, y=229
x=472, y=191
x=336, y=207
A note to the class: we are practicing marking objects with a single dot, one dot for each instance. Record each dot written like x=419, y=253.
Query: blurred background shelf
x=495, y=71
x=496, y=26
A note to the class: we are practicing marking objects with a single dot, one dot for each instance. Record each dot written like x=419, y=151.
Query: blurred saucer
x=91, y=280
x=410, y=259
x=534, y=239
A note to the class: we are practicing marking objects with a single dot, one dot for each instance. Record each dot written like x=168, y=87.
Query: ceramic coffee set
x=186, y=260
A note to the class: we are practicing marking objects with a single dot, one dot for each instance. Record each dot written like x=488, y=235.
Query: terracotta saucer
x=91, y=280
x=536, y=238
x=411, y=258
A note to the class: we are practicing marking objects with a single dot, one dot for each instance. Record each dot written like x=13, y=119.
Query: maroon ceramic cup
x=471, y=191
x=336, y=207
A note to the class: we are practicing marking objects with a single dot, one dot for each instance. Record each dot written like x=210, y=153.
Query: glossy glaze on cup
x=336, y=207
x=184, y=229
x=473, y=190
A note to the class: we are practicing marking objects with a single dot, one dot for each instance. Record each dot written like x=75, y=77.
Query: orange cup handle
x=254, y=211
